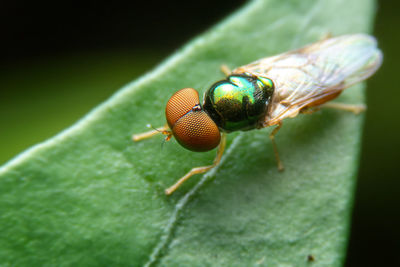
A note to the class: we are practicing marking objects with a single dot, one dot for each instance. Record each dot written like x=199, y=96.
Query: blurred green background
x=61, y=61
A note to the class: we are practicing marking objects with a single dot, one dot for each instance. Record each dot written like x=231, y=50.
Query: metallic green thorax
x=238, y=102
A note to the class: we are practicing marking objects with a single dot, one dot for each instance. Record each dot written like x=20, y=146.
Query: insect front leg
x=272, y=137
x=355, y=108
x=161, y=130
x=199, y=170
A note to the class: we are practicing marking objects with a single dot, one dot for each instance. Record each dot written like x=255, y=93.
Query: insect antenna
x=168, y=134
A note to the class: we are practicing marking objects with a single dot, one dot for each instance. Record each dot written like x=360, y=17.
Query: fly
x=266, y=91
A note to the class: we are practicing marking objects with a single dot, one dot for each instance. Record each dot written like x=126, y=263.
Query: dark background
x=58, y=62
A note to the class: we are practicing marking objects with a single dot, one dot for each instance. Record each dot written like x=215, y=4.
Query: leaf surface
x=90, y=196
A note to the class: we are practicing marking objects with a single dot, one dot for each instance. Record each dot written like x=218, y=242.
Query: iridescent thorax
x=239, y=101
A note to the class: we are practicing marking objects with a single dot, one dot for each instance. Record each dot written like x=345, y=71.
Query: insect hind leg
x=355, y=108
x=326, y=36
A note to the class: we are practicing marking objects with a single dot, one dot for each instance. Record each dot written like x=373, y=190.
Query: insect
x=264, y=92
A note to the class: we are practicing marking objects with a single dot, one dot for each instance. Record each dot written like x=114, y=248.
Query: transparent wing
x=316, y=73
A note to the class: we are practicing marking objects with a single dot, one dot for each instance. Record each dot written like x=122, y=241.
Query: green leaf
x=90, y=196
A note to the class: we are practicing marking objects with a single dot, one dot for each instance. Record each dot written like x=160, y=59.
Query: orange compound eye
x=179, y=104
x=190, y=125
x=196, y=131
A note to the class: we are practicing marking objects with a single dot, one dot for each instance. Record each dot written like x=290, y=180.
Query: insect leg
x=163, y=130
x=326, y=36
x=356, y=109
x=272, y=137
x=309, y=110
x=226, y=70
x=199, y=170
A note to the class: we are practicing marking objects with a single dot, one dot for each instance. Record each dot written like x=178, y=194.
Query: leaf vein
x=168, y=230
